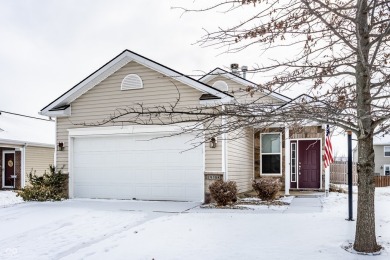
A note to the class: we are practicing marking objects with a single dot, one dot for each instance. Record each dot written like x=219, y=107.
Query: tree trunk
x=365, y=238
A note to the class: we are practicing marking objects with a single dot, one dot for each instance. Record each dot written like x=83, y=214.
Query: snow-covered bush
x=267, y=188
x=223, y=192
x=49, y=186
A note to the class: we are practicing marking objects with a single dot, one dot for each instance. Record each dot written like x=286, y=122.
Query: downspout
x=55, y=143
x=23, y=167
x=224, y=148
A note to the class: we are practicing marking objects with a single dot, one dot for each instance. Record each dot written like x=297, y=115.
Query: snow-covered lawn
x=100, y=229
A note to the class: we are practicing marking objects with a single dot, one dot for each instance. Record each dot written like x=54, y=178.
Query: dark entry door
x=309, y=164
x=9, y=169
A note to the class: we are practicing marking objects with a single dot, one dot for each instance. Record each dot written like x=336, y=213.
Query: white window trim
x=261, y=153
x=384, y=168
x=384, y=151
x=296, y=159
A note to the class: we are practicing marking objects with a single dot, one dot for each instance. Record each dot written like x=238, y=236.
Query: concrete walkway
x=307, y=204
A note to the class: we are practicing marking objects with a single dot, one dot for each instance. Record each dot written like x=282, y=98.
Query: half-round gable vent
x=132, y=81
x=221, y=85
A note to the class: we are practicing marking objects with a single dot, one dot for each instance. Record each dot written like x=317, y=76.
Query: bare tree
x=341, y=54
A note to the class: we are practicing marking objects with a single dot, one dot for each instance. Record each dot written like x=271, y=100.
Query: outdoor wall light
x=381, y=167
x=213, y=142
x=61, y=146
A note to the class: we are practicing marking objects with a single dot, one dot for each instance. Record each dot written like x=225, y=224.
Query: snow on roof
x=381, y=139
x=20, y=129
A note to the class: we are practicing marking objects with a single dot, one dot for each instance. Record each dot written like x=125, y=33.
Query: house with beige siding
x=124, y=160
x=26, y=145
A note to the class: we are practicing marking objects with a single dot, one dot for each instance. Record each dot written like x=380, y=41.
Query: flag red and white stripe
x=328, y=156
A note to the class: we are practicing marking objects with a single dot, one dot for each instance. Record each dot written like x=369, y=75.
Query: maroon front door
x=309, y=164
x=9, y=169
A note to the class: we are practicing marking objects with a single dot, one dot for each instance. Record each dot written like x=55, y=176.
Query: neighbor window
x=387, y=151
x=386, y=170
x=271, y=153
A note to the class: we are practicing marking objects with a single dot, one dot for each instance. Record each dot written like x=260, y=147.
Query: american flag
x=328, y=156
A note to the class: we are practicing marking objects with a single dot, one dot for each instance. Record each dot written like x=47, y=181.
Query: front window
x=271, y=153
x=387, y=151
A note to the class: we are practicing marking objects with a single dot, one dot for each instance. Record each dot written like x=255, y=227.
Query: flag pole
x=350, y=215
x=328, y=159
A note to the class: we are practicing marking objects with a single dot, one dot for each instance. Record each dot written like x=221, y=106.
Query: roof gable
x=117, y=63
x=221, y=72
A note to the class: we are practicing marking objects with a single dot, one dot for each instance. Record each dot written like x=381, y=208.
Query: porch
x=294, y=155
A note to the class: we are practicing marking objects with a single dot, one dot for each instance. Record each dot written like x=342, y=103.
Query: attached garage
x=134, y=163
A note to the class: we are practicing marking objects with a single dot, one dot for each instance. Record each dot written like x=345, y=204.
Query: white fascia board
x=244, y=82
x=115, y=65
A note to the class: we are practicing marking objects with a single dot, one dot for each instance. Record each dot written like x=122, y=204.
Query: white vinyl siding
x=240, y=158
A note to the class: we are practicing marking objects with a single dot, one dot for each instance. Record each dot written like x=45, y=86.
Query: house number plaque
x=214, y=177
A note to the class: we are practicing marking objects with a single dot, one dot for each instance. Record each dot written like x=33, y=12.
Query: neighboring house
x=26, y=144
x=382, y=155
x=127, y=161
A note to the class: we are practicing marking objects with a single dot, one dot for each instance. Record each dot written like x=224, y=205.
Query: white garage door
x=136, y=167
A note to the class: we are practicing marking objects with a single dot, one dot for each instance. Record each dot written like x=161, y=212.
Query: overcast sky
x=48, y=46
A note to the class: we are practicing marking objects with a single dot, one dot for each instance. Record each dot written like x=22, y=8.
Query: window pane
x=270, y=143
x=270, y=164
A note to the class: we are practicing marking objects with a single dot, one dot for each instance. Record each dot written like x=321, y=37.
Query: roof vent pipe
x=244, y=69
x=234, y=68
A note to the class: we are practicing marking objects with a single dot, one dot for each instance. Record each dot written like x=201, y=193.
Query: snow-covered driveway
x=100, y=229
x=53, y=230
